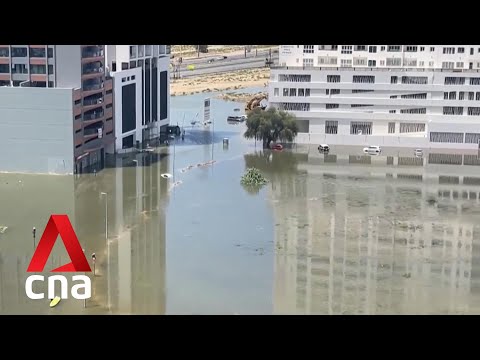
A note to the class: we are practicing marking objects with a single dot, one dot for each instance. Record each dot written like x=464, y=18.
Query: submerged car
x=323, y=147
x=372, y=149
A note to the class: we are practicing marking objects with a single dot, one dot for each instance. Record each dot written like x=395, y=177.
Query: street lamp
x=106, y=214
x=108, y=247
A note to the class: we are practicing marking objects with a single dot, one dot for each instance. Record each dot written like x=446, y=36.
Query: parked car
x=323, y=147
x=372, y=149
x=277, y=147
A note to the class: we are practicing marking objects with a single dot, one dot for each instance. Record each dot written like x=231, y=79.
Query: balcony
x=92, y=88
x=92, y=53
x=91, y=73
x=94, y=144
x=93, y=115
x=90, y=104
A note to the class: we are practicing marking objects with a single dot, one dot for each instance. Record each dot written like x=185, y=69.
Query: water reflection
x=378, y=238
x=130, y=266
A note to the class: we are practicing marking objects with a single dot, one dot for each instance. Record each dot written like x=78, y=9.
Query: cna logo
x=59, y=225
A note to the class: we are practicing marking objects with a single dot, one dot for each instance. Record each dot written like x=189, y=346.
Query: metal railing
x=92, y=70
x=93, y=101
x=93, y=116
x=92, y=87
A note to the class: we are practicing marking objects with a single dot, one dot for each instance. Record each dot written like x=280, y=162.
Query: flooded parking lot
x=336, y=233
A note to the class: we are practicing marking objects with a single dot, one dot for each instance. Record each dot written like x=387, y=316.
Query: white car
x=372, y=149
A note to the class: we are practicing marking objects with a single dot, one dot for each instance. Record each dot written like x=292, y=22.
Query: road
x=219, y=65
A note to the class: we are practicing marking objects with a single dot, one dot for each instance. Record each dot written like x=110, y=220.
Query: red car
x=277, y=147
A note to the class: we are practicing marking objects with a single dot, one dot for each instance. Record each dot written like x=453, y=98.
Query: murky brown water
x=341, y=233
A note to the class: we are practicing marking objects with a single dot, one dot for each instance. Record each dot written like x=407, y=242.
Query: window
x=4, y=52
x=334, y=91
x=38, y=69
x=327, y=91
x=331, y=127
x=450, y=80
x=293, y=92
x=372, y=63
x=471, y=51
x=449, y=50
x=360, y=47
x=301, y=92
x=411, y=49
x=108, y=92
x=148, y=50
x=472, y=138
x=37, y=53
x=327, y=47
x=19, y=69
x=333, y=78
x=477, y=96
x=394, y=80
x=452, y=95
x=432, y=49
x=448, y=65
x=307, y=62
x=275, y=92
x=327, y=60
x=412, y=127
x=415, y=96
x=391, y=128
x=359, y=105
x=445, y=137
x=357, y=128
x=382, y=62
x=294, y=106
x=332, y=106
x=475, y=111
x=394, y=61
x=461, y=50
x=4, y=68
x=461, y=95
x=133, y=64
x=410, y=62
x=141, y=52
x=50, y=69
x=382, y=48
x=452, y=110
x=133, y=51
x=50, y=52
x=355, y=91
x=19, y=52
x=471, y=94
x=364, y=79
x=308, y=49
x=307, y=92
x=393, y=48
x=346, y=49
x=459, y=65
x=474, y=81
x=414, y=80
x=430, y=63
x=294, y=78
x=414, y=111
x=372, y=49
x=285, y=92
x=359, y=61
x=346, y=63
x=422, y=48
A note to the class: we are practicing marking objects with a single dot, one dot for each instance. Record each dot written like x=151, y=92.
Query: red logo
x=59, y=225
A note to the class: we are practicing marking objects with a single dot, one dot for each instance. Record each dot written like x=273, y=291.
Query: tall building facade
x=391, y=95
x=73, y=111
x=141, y=77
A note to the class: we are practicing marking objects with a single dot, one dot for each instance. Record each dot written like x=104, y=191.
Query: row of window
x=23, y=52
x=370, y=79
x=23, y=69
x=292, y=92
x=294, y=106
x=347, y=49
x=452, y=95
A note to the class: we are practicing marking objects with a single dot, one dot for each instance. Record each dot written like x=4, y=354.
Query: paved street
x=231, y=63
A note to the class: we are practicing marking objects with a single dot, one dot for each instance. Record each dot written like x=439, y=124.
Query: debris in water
x=166, y=176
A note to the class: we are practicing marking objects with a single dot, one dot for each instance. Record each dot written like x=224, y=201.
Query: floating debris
x=3, y=229
x=55, y=301
x=166, y=176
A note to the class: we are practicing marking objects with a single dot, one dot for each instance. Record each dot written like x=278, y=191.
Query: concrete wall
x=36, y=130
x=68, y=66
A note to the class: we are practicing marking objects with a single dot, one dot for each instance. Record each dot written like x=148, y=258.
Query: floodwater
x=337, y=233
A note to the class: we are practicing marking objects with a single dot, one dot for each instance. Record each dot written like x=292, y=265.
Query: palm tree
x=271, y=125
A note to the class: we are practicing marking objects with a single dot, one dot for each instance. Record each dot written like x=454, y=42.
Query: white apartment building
x=387, y=95
x=142, y=92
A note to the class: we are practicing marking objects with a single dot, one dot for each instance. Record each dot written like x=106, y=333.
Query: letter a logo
x=59, y=225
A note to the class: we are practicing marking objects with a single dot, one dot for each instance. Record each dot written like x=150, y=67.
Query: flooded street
x=337, y=233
